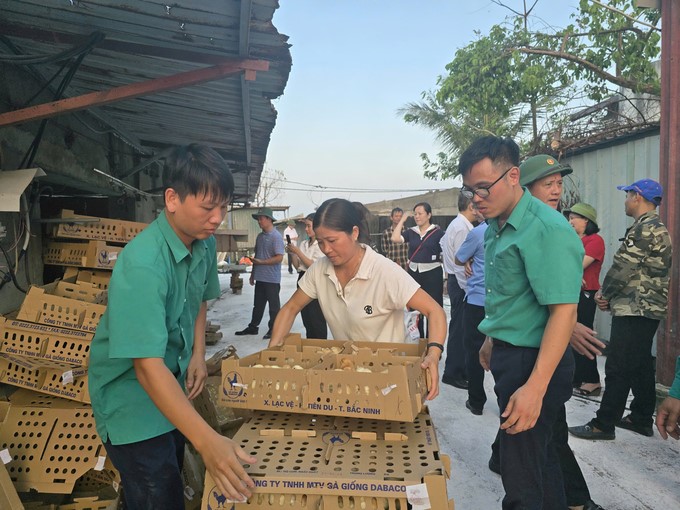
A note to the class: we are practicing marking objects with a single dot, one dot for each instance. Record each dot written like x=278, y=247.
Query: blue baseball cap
x=647, y=188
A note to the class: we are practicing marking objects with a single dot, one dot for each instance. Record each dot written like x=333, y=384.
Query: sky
x=355, y=63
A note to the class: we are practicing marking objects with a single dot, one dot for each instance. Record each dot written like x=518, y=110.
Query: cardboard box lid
x=12, y=185
x=290, y=447
x=62, y=445
x=9, y=498
x=344, y=461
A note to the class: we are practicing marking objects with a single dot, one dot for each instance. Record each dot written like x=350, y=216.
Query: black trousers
x=473, y=340
x=454, y=366
x=575, y=487
x=313, y=319
x=265, y=293
x=530, y=468
x=629, y=367
x=585, y=370
x=431, y=282
x=151, y=471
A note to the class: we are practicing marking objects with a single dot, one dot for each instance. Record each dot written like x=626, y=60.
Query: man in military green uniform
x=636, y=291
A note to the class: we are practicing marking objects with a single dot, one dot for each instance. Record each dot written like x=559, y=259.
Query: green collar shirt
x=156, y=291
x=534, y=260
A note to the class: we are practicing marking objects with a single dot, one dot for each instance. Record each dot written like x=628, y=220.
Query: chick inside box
x=383, y=381
x=324, y=462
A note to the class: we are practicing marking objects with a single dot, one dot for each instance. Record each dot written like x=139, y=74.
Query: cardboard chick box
x=65, y=305
x=382, y=381
x=339, y=463
x=92, y=227
x=98, y=278
x=52, y=442
x=45, y=376
x=49, y=343
x=90, y=254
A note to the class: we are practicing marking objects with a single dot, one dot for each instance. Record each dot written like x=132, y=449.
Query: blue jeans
x=530, y=467
x=151, y=471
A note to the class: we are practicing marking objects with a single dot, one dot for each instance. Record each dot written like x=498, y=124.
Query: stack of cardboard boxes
x=51, y=453
x=98, y=241
x=338, y=424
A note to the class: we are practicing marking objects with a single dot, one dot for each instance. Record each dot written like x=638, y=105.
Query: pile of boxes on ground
x=52, y=456
x=335, y=425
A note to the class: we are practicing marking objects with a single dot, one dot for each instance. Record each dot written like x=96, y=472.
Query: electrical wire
x=12, y=274
x=340, y=189
x=345, y=190
x=33, y=148
x=76, y=51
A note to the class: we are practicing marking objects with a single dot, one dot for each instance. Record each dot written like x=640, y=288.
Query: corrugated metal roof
x=147, y=39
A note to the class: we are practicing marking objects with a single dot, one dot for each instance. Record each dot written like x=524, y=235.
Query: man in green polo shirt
x=533, y=268
x=147, y=358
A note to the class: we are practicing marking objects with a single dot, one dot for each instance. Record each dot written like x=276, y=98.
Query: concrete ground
x=631, y=473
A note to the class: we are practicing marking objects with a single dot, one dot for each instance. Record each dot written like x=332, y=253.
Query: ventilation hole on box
x=48, y=470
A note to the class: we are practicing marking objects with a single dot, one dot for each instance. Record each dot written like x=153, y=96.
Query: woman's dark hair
x=424, y=205
x=310, y=217
x=342, y=215
x=198, y=170
x=591, y=228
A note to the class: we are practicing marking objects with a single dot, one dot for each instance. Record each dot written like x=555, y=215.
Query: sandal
x=595, y=392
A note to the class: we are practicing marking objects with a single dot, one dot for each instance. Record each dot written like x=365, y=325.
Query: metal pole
x=668, y=340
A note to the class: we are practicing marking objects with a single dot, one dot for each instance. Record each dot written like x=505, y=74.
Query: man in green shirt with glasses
x=533, y=268
x=147, y=358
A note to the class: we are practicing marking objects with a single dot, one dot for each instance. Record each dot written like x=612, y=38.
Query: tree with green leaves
x=520, y=82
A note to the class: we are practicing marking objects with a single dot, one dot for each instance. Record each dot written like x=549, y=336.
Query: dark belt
x=501, y=343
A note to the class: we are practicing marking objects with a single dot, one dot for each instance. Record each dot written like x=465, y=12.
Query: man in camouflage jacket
x=635, y=290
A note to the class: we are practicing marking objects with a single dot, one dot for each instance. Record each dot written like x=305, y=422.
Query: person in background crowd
x=424, y=253
x=455, y=371
x=290, y=233
x=583, y=217
x=147, y=358
x=362, y=294
x=635, y=289
x=266, y=272
x=668, y=413
x=471, y=253
x=530, y=307
x=543, y=177
x=304, y=256
x=397, y=252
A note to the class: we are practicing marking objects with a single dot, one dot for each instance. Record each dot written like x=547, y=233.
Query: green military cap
x=537, y=167
x=585, y=210
x=264, y=211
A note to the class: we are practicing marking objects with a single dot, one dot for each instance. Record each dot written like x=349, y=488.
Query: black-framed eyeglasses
x=482, y=191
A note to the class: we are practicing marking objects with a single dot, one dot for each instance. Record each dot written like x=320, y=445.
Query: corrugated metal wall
x=242, y=219
x=597, y=172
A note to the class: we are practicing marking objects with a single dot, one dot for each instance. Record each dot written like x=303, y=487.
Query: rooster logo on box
x=232, y=385
x=216, y=500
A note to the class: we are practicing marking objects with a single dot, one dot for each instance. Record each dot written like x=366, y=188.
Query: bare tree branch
x=627, y=16
x=617, y=80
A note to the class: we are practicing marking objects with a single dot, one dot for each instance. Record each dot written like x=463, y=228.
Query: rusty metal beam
x=668, y=340
x=132, y=91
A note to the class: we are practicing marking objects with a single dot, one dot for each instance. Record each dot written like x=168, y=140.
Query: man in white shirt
x=290, y=236
x=455, y=373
